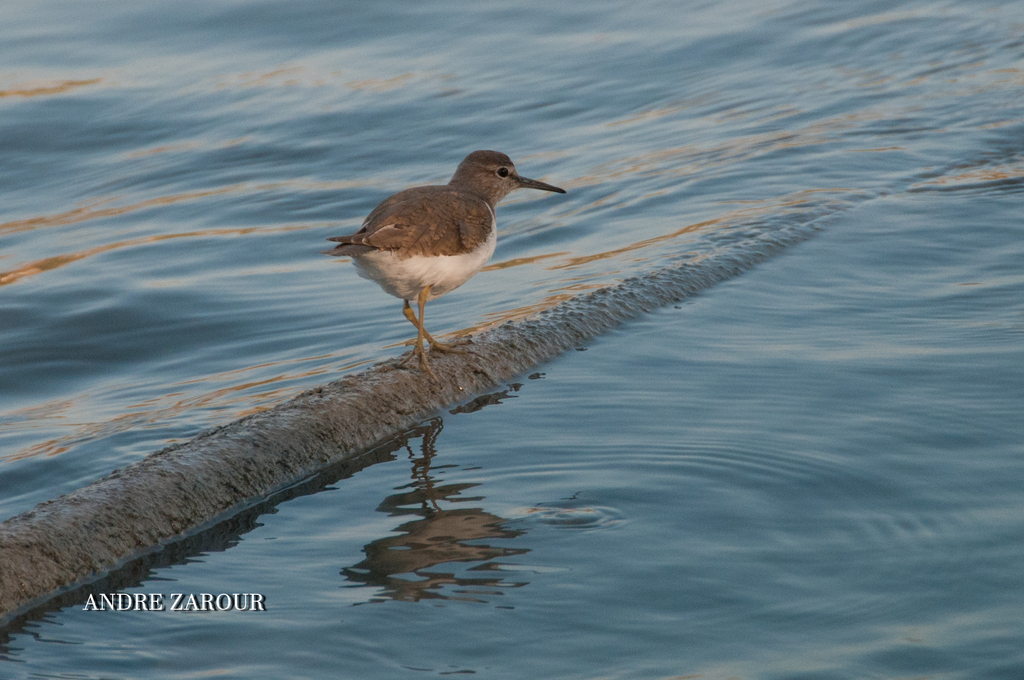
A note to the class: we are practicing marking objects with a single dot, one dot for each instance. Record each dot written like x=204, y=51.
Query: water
x=812, y=470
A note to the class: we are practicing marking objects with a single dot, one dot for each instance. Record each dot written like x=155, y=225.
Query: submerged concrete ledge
x=71, y=540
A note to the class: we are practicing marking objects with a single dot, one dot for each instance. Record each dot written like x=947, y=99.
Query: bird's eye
x=502, y=172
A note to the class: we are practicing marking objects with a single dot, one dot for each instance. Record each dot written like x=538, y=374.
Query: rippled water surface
x=812, y=470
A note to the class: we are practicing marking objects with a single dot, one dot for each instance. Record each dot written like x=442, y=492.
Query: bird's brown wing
x=437, y=220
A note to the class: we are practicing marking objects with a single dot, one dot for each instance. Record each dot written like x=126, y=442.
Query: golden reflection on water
x=752, y=211
x=573, y=262
x=516, y=262
x=971, y=178
x=57, y=261
x=696, y=160
x=284, y=75
x=92, y=211
x=186, y=146
x=493, y=319
x=380, y=84
x=236, y=400
x=47, y=90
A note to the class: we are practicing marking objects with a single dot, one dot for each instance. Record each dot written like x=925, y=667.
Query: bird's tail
x=346, y=248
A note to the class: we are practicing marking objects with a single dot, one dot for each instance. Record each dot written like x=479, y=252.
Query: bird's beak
x=525, y=183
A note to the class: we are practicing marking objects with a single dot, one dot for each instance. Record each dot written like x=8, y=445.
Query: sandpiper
x=427, y=241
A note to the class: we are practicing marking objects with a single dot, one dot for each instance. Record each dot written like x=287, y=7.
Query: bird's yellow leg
x=410, y=315
x=417, y=351
x=451, y=347
x=422, y=300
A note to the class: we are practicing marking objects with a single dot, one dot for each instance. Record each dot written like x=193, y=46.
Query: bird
x=425, y=242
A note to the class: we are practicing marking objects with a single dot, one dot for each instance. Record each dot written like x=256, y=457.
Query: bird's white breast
x=405, y=278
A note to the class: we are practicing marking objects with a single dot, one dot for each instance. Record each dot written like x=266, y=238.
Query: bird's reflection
x=402, y=565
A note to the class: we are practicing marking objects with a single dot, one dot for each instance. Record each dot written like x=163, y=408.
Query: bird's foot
x=454, y=347
x=425, y=366
x=419, y=353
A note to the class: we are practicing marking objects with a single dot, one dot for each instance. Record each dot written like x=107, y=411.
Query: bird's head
x=492, y=176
